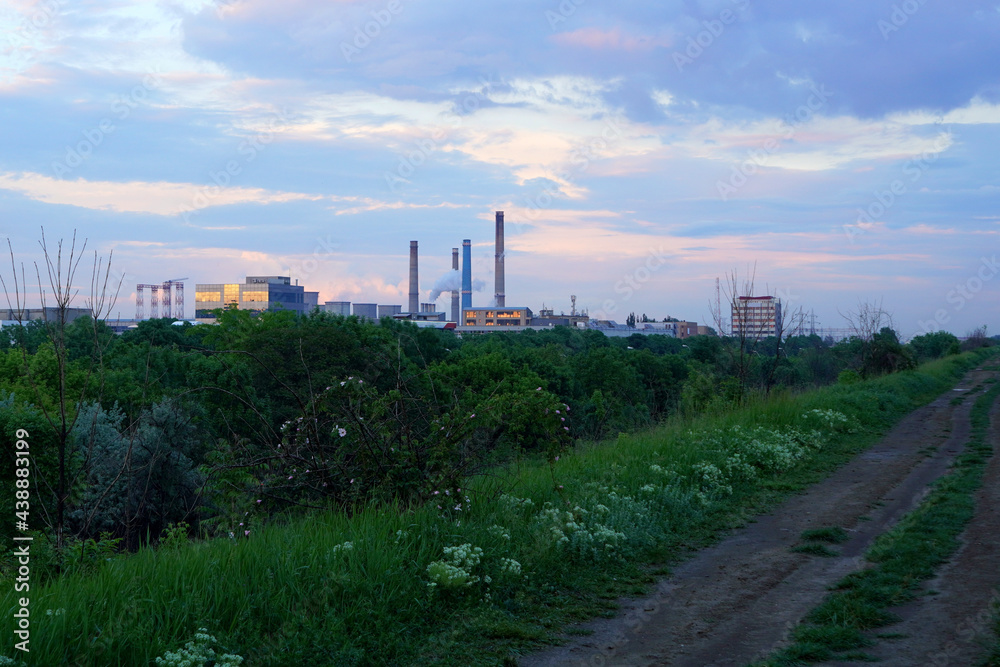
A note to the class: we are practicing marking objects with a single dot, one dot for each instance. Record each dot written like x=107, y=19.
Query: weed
x=579, y=632
x=814, y=549
x=831, y=535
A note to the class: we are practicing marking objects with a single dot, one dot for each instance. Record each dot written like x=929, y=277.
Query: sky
x=837, y=153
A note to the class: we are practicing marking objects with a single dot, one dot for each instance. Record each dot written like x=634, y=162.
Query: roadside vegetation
x=481, y=570
x=843, y=625
x=993, y=660
x=169, y=424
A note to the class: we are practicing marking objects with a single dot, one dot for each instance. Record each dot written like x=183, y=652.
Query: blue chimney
x=466, y=275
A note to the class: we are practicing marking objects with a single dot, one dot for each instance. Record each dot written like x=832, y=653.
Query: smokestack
x=466, y=274
x=454, y=293
x=414, y=282
x=499, y=259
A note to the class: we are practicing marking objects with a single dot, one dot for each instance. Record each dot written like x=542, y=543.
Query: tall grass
x=581, y=533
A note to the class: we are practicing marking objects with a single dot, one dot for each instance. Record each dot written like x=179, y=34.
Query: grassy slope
x=286, y=596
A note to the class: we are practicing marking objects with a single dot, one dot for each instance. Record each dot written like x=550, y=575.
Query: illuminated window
x=231, y=293
x=208, y=296
x=251, y=295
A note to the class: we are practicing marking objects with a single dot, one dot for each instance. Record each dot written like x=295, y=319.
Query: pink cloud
x=598, y=40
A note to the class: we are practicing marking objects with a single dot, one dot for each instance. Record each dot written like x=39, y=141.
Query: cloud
x=613, y=40
x=368, y=204
x=138, y=197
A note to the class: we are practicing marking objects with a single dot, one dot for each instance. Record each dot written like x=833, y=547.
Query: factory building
x=496, y=317
x=547, y=318
x=676, y=329
x=368, y=311
x=257, y=294
x=756, y=317
x=389, y=311
x=337, y=308
x=10, y=316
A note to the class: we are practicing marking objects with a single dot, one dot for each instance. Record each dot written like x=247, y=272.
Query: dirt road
x=735, y=602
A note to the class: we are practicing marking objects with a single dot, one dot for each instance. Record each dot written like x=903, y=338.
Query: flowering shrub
x=342, y=548
x=510, y=502
x=499, y=532
x=738, y=469
x=830, y=420
x=510, y=567
x=454, y=572
x=198, y=653
x=711, y=480
x=765, y=450
x=578, y=534
x=355, y=442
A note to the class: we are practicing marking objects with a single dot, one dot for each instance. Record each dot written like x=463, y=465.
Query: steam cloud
x=453, y=281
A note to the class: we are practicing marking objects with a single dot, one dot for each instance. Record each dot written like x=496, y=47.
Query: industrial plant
x=261, y=293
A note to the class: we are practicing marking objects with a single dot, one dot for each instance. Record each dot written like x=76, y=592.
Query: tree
x=876, y=339
x=749, y=333
x=935, y=345
x=57, y=479
x=976, y=339
x=888, y=355
x=159, y=484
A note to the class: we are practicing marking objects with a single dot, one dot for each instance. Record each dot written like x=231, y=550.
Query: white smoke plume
x=453, y=281
x=446, y=283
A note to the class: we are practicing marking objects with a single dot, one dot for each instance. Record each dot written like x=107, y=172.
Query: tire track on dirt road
x=950, y=626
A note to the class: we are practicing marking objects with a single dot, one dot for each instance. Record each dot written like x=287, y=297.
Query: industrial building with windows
x=756, y=316
x=499, y=317
x=257, y=294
